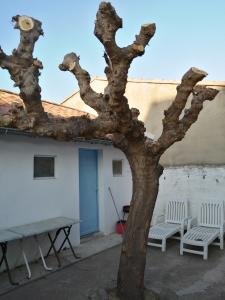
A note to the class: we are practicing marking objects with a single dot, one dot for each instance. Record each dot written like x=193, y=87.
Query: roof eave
x=17, y=132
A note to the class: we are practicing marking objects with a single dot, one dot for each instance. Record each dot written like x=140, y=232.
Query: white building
x=41, y=178
x=194, y=168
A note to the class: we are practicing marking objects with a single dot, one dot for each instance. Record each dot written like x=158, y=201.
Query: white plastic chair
x=210, y=227
x=176, y=219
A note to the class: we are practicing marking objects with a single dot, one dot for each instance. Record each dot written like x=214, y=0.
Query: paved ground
x=185, y=277
x=89, y=246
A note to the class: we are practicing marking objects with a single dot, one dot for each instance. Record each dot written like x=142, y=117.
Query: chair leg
x=181, y=248
x=221, y=242
x=205, y=251
x=163, y=245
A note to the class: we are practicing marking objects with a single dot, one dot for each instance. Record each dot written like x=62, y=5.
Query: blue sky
x=189, y=33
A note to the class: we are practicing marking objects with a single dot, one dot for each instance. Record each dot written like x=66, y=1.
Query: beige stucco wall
x=205, y=141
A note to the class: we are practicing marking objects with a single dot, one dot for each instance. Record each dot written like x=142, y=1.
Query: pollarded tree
x=116, y=121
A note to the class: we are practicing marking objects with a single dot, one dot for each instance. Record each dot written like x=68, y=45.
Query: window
x=44, y=166
x=117, y=167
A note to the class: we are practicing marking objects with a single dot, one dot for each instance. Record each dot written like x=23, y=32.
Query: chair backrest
x=211, y=214
x=176, y=211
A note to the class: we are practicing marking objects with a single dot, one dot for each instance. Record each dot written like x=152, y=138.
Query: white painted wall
x=121, y=187
x=194, y=183
x=25, y=199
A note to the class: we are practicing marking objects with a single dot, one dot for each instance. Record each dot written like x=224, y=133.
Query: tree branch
x=30, y=30
x=118, y=61
x=175, y=129
x=142, y=39
x=106, y=25
x=200, y=94
x=59, y=128
x=23, y=68
x=88, y=95
x=189, y=80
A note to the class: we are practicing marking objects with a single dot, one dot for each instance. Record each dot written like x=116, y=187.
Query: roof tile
x=7, y=99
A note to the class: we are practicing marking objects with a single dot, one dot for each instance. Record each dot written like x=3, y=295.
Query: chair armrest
x=222, y=229
x=160, y=219
x=191, y=222
x=184, y=224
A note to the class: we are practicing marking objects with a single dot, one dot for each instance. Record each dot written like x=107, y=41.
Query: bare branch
x=106, y=24
x=200, y=94
x=23, y=68
x=118, y=61
x=189, y=80
x=88, y=95
x=142, y=39
x=174, y=129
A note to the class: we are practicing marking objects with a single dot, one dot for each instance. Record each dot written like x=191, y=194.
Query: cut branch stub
x=147, y=31
x=142, y=39
x=69, y=62
x=106, y=24
x=30, y=30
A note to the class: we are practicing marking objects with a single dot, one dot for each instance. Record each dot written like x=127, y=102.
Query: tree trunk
x=145, y=175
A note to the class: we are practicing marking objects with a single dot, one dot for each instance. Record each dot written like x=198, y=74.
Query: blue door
x=88, y=184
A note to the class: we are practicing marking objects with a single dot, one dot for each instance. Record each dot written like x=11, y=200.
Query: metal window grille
x=117, y=167
x=44, y=166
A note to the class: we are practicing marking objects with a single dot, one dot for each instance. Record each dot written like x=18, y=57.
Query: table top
x=6, y=236
x=43, y=226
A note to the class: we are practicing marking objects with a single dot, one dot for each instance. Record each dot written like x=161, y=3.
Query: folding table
x=60, y=224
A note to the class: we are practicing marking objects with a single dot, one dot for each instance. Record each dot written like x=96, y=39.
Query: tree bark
x=145, y=175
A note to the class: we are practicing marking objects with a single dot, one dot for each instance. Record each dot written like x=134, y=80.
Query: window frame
x=122, y=167
x=45, y=177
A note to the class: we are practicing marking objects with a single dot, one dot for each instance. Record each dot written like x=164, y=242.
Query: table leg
x=4, y=258
x=67, y=233
x=41, y=254
x=52, y=241
x=25, y=260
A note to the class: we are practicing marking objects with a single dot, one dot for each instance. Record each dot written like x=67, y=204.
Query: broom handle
x=115, y=208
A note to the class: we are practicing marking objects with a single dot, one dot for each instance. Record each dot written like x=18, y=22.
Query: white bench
x=176, y=219
x=60, y=224
x=209, y=227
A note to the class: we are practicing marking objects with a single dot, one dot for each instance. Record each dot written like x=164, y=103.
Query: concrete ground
x=169, y=274
x=89, y=246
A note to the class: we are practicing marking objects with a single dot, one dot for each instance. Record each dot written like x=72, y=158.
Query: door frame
x=97, y=187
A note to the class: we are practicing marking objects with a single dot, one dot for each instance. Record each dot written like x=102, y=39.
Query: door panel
x=88, y=183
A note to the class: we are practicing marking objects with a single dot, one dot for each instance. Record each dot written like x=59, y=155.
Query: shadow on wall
x=204, y=143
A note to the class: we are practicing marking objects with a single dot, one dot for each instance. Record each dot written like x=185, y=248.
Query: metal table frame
x=3, y=246
x=5, y=237
x=60, y=224
x=66, y=231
